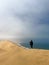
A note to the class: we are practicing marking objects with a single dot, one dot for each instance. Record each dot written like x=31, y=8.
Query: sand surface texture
x=12, y=54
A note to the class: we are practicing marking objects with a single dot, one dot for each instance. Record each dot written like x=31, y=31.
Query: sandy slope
x=11, y=54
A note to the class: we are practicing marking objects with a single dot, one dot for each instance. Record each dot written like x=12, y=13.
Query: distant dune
x=13, y=54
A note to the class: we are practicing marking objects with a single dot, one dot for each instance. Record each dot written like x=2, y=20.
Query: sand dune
x=12, y=54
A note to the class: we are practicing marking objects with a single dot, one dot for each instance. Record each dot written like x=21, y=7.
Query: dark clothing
x=31, y=44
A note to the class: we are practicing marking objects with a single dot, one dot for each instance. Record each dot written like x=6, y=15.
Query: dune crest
x=12, y=54
x=7, y=45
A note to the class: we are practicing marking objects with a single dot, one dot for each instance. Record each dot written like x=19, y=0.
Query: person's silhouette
x=31, y=44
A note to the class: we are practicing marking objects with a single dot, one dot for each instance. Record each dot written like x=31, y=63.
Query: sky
x=24, y=19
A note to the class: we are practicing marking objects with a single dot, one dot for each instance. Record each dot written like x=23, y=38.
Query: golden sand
x=12, y=54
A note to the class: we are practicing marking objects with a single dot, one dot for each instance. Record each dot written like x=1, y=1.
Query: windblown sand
x=12, y=54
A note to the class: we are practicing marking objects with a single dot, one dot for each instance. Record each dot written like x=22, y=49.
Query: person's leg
x=31, y=46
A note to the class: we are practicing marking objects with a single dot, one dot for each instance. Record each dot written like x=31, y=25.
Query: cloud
x=24, y=18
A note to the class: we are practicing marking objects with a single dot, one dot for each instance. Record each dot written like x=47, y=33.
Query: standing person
x=31, y=44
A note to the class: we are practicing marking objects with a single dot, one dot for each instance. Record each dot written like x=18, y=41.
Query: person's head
x=31, y=40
